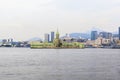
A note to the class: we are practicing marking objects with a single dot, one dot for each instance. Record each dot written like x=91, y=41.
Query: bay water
x=59, y=64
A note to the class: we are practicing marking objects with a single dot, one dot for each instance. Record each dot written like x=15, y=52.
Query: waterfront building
x=94, y=35
x=46, y=37
x=106, y=41
x=102, y=42
x=89, y=43
x=6, y=43
x=52, y=36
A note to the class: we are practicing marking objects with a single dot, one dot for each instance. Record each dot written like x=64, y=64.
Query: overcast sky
x=24, y=19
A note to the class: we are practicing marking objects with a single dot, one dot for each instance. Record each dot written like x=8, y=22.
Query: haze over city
x=24, y=19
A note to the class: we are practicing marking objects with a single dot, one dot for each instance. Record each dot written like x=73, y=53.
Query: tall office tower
x=105, y=35
x=52, y=36
x=102, y=34
x=109, y=35
x=94, y=35
x=119, y=33
x=46, y=37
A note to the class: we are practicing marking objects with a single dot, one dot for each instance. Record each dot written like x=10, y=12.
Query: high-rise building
x=94, y=35
x=102, y=34
x=52, y=36
x=119, y=33
x=109, y=35
x=105, y=35
x=46, y=37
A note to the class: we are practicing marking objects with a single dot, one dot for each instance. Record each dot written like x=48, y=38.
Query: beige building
x=102, y=41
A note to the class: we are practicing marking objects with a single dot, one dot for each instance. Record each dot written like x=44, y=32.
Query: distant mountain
x=80, y=35
x=87, y=34
x=99, y=30
x=115, y=32
x=94, y=29
x=35, y=39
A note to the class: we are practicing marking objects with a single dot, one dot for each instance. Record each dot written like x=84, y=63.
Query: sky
x=25, y=19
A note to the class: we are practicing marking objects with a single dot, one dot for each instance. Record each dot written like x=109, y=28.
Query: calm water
x=59, y=64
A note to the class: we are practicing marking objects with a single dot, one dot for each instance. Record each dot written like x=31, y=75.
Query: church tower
x=57, y=40
x=57, y=34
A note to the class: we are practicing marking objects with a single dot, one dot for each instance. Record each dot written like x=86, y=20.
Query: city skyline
x=90, y=34
x=24, y=19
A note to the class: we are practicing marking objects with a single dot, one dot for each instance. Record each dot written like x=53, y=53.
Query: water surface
x=59, y=64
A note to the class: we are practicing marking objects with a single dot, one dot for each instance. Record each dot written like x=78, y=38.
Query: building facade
x=46, y=37
x=106, y=35
x=94, y=35
x=52, y=36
